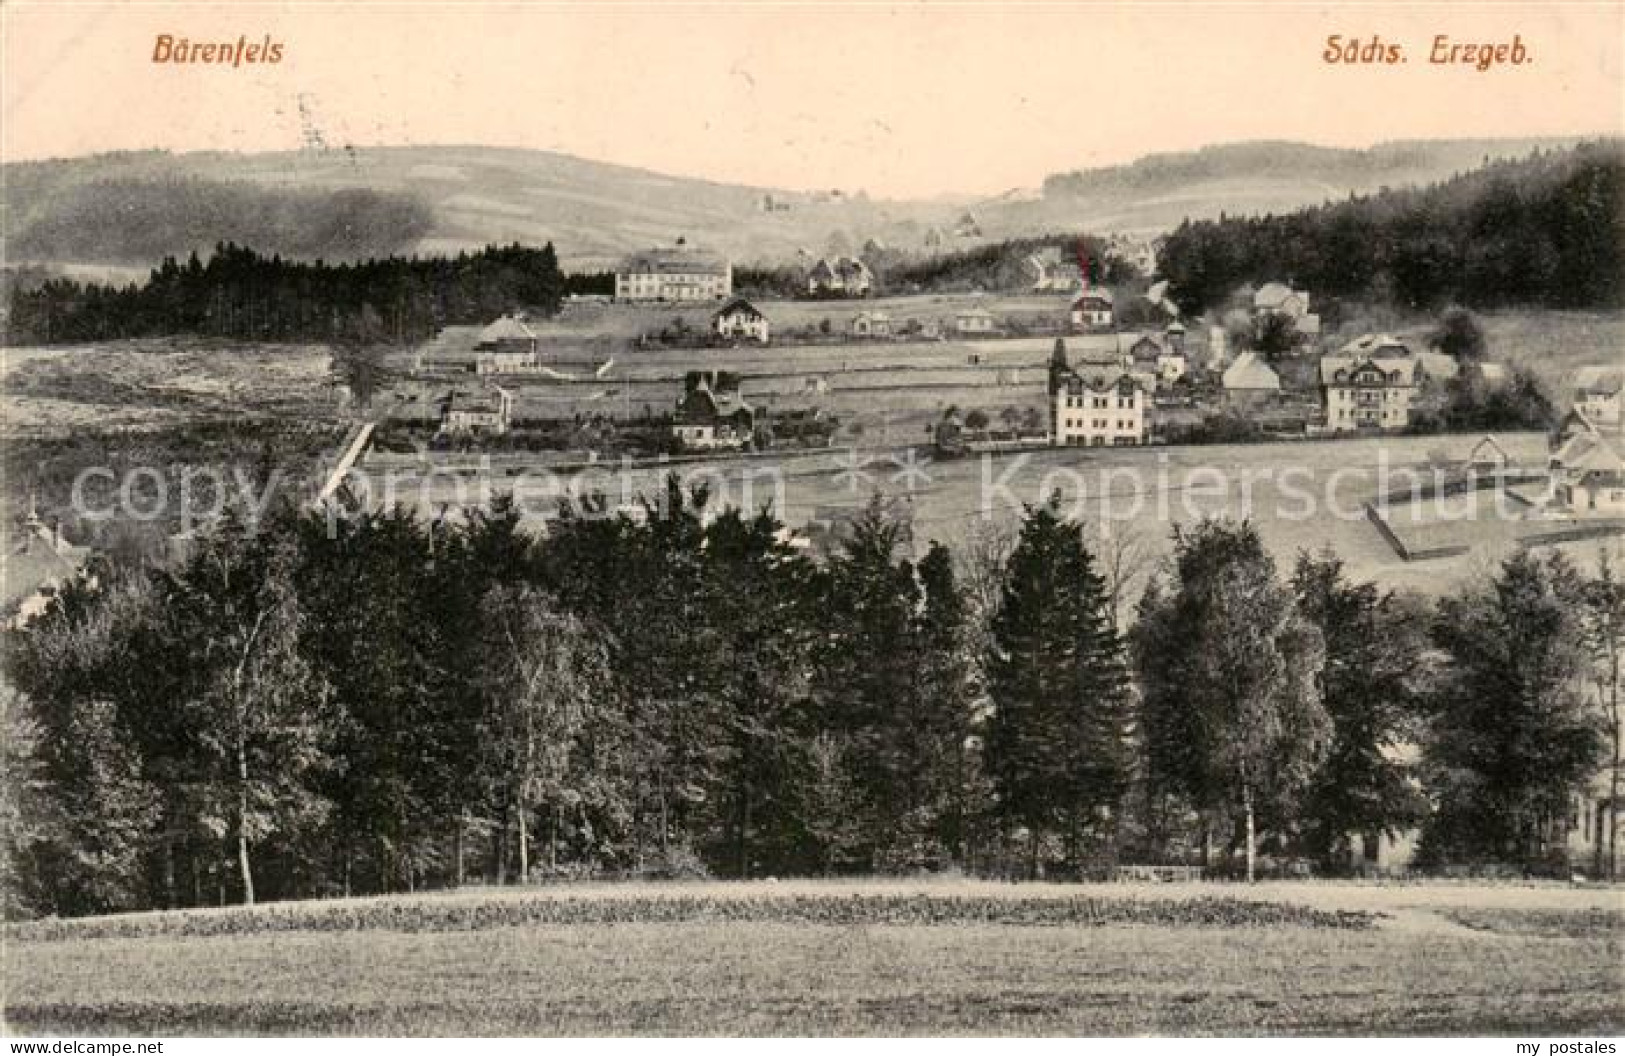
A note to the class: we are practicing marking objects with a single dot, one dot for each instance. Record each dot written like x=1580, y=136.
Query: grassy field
x=52, y=392
x=846, y=958
x=1301, y=496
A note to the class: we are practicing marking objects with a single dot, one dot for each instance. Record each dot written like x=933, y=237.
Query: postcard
x=779, y=519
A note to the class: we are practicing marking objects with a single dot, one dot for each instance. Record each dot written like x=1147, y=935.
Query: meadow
x=844, y=958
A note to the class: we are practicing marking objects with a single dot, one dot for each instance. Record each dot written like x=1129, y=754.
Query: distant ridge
x=128, y=208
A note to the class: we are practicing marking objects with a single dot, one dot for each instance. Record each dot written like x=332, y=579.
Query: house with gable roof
x=1279, y=298
x=711, y=414
x=1587, y=467
x=39, y=561
x=839, y=277
x=505, y=346
x=1098, y=406
x=487, y=412
x=1093, y=310
x=1156, y=355
x=1598, y=392
x=740, y=318
x=1370, y=383
x=1249, y=377
x=1052, y=272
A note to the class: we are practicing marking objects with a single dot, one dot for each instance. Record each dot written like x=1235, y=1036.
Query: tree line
x=335, y=705
x=241, y=294
x=1542, y=231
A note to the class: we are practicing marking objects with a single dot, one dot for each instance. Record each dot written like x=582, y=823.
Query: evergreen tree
x=1373, y=675
x=1514, y=735
x=1056, y=740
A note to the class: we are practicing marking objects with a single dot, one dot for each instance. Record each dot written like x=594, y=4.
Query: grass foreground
x=843, y=959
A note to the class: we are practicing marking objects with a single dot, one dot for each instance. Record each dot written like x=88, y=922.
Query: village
x=676, y=364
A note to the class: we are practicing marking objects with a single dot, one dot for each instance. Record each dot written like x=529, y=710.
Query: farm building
x=711, y=414
x=1092, y=310
x=678, y=273
x=740, y=318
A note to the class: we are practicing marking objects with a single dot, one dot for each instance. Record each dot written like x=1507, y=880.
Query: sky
x=899, y=100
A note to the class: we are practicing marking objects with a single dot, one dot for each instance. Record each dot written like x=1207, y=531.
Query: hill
x=1539, y=231
x=1158, y=191
x=133, y=208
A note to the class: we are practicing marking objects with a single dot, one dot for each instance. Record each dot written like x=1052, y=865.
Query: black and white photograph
x=789, y=520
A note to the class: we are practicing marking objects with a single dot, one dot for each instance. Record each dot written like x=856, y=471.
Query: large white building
x=1368, y=384
x=1098, y=407
x=677, y=274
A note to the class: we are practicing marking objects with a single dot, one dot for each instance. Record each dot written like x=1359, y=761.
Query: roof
x=1104, y=296
x=723, y=404
x=1375, y=344
x=1159, y=347
x=1274, y=294
x=1249, y=372
x=1096, y=377
x=507, y=328
x=1331, y=366
x=873, y=317
x=485, y=401
x=674, y=261
x=976, y=313
x=1492, y=450
x=738, y=306
x=34, y=561
x=1586, y=449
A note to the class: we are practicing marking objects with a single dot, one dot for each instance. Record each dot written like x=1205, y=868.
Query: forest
x=240, y=294
x=339, y=703
x=1544, y=231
